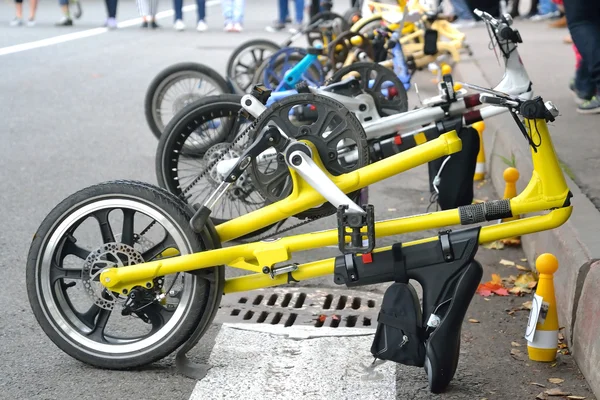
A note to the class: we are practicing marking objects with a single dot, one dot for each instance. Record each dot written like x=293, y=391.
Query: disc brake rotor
x=109, y=255
x=324, y=122
x=381, y=83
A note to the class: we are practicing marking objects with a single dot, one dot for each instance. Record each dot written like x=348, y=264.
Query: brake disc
x=109, y=255
x=373, y=79
x=324, y=122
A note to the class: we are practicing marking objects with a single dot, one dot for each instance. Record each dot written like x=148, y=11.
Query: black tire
x=259, y=49
x=169, y=152
x=50, y=245
x=167, y=79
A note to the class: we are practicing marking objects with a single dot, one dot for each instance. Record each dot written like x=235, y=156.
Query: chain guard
x=394, y=103
x=275, y=182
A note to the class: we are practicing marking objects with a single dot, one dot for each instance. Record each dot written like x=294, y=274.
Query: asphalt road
x=72, y=116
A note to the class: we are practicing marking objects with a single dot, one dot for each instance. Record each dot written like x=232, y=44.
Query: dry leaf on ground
x=473, y=321
x=511, y=241
x=508, y=263
x=517, y=355
x=556, y=392
x=537, y=384
x=493, y=286
x=556, y=381
x=527, y=305
x=496, y=245
x=515, y=344
x=541, y=396
x=522, y=268
x=576, y=397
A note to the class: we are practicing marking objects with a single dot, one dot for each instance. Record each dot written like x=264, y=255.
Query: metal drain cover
x=302, y=306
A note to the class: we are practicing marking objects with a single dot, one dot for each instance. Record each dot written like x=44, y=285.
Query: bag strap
x=400, y=274
x=397, y=323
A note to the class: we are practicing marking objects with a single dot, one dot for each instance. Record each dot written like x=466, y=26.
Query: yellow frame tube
x=547, y=190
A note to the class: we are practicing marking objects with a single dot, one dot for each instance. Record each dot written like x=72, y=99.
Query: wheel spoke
x=157, y=314
x=57, y=273
x=100, y=324
x=158, y=248
x=105, y=229
x=90, y=315
x=71, y=248
x=127, y=232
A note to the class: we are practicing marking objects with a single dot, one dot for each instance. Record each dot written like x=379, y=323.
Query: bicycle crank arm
x=224, y=166
x=253, y=106
x=301, y=162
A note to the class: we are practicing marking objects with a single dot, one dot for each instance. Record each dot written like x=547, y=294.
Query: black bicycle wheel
x=177, y=86
x=245, y=60
x=117, y=224
x=195, y=177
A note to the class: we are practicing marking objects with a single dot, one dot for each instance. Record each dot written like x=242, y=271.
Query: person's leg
x=583, y=19
x=315, y=7
x=66, y=18
x=177, y=6
x=111, y=7
x=238, y=11
x=32, y=10
x=144, y=11
x=279, y=24
x=153, y=11
x=18, y=19
x=462, y=10
x=201, y=10
x=227, y=11
x=299, y=8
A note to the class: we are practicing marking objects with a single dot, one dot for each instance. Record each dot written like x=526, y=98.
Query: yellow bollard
x=480, y=167
x=545, y=341
x=511, y=176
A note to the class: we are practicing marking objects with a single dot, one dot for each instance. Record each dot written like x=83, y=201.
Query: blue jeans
x=546, y=7
x=462, y=10
x=583, y=19
x=284, y=10
x=201, y=4
x=233, y=10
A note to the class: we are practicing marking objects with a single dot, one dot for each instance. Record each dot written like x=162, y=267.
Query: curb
x=576, y=244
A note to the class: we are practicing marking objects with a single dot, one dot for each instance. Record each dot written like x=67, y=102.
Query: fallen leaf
x=527, y=305
x=496, y=245
x=576, y=397
x=515, y=344
x=522, y=268
x=517, y=354
x=541, y=396
x=556, y=381
x=486, y=299
x=562, y=346
x=553, y=365
x=537, y=384
x=473, y=321
x=561, y=336
x=501, y=292
x=523, y=259
x=391, y=209
x=496, y=280
x=511, y=279
x=511, y=241
x=483, y=291
x=524, y=280
x=322, y=318
x=531, y=285
x=518, y=290
x=506, y=262
x=556, y=392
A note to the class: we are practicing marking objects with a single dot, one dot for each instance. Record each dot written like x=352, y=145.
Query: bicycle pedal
x=261, y=93
x=350, y=227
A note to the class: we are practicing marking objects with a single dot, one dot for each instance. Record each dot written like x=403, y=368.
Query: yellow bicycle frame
x=547, y=190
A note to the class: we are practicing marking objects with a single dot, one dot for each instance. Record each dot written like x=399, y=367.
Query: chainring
x=396, y=99
x=331, y=128
x=109, y=255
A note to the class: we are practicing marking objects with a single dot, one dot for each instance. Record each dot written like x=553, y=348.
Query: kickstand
x=370, y=373
x=189, y=368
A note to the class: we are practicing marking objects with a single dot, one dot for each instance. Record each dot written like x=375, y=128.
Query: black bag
x=430, y=46
x=399, y=334
x=456, y=179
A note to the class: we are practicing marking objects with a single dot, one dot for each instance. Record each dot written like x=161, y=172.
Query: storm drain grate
x=302, y=306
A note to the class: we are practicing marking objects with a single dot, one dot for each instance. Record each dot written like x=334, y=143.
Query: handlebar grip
x=491, y=99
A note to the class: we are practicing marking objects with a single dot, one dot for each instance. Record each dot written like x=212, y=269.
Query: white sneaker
x=237, y=27
x=228, y=27
x=179, y=25
x=201, y=27
x=31, y=22
x=16, y=22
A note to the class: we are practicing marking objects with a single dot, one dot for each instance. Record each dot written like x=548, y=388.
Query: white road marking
x=91, y=32
x=252, y=365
